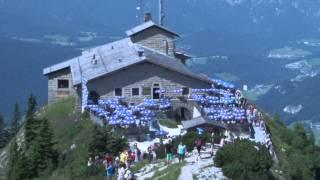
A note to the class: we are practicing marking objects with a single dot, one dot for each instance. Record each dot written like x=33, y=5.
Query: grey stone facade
x=54, y=92
x=156, y=39
x=144, y=75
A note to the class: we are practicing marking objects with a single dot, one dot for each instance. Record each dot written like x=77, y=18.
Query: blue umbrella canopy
x=150, y=103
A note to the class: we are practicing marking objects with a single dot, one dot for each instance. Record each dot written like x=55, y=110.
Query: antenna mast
x=161, y=13
x=140, y=11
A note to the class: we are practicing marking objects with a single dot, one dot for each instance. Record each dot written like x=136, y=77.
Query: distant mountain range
x=245, y=41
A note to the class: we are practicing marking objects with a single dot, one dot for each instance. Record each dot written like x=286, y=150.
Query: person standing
x=108, y=158
x=121, y=172
x=110, y=171
x=123, y=157
x=90, y=162
x=116, y=163
x=199, y=146
x=169, y=151
x=129, y=158
x=137, y=153
x=212, y=143
x=181, y=151
x=154, y=154
x=149, y=154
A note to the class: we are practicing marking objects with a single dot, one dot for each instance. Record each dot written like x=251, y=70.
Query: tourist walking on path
x=181, y=151
x=199, y=146
x=137, y=153
x=149, y=151
x=169, y=152
x=154, y=154
x=212, y=143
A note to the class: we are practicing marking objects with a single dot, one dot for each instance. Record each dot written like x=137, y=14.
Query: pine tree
x=45, y=143
x=31, y=123
x=13, y=172
x=100, y=141
x=32, y=104
x=15, y=125
x=105, y=141
x=2, y=132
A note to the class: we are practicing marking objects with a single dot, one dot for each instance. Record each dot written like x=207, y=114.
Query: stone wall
x=140, y=76
x=156, y=39
x=55, y=93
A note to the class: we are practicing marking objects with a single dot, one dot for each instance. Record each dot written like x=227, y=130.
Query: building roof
x=118, y=55
x=169, y=62
x=148, y=25
x=56, y=67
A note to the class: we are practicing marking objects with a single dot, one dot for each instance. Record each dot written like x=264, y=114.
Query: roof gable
x=147, y=25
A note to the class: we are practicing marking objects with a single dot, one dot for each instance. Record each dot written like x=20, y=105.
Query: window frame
x=115, y=91
x=185, y=89
x=132, y=89
x=146, y=94
x=65, y=80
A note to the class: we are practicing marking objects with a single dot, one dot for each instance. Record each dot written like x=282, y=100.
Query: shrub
x=244, y=160
x=168, y=123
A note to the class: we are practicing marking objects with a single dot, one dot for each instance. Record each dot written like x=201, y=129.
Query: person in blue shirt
x=110, y=171
x=181, y=151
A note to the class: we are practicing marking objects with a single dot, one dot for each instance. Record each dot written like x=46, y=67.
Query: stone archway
x=182, y=114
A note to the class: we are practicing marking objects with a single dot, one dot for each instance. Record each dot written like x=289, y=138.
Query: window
x=146, y=91
x=118, y=91
x=63, y=84
x=135, y=92
x=185, y=91
x=156, y=85
x=166, y=46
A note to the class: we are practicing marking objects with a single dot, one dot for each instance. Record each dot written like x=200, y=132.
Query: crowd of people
x=224, y=104
x=118, y=166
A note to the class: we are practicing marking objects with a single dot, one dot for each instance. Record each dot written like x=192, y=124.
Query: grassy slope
x=289, y=152
x=70, y=128
x=276, y=131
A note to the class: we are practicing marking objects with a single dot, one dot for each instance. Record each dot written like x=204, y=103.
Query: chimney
x=147, y=17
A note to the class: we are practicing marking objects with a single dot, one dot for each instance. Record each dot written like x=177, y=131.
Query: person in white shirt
x=90, y=162
x=121, y=172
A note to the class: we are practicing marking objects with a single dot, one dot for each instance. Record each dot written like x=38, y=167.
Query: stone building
x=135, y=67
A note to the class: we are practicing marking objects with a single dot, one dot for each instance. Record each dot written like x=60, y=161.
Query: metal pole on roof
x=140, y=10
x=161, y=12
